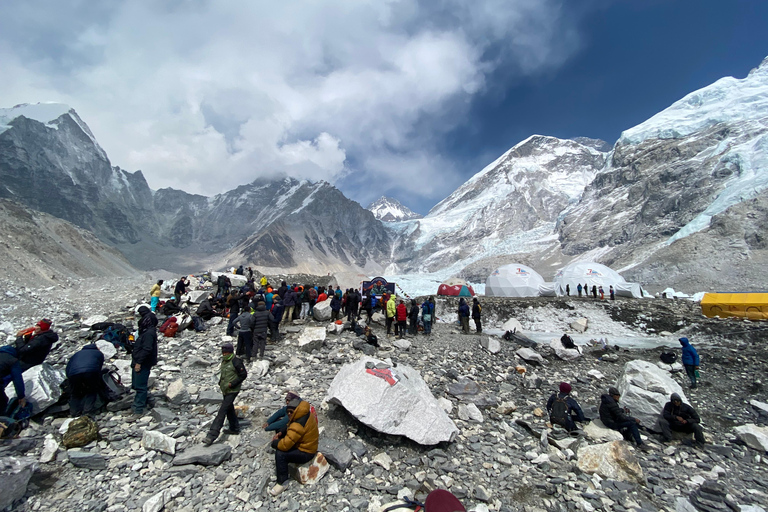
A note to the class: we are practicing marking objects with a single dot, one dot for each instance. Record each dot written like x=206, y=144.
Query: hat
x=565, y=388
x=613, y=391
x=294, y=403
x=291, y=396
x=44, y=324
x=675, y=396
x=227, y=348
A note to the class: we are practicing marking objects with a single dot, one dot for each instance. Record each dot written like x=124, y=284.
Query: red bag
x=170, y=320
x=170, y=331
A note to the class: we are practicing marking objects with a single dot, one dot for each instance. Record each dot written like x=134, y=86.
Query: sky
x=404, y=98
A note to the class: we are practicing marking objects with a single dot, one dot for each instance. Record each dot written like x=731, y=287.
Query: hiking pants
x=153, y=303
x=140, y=383
x=413, y=328
x=260, y=341
x=245, y=343
x=353, y=313
x=691, y=371
x=667, y=428
x=178, y=299
x=274, y=331
x=231, y=325
x=465, y=324
x=304, y=310
x=400, y=328
x=288, y=315
x=389, y=325
x=282, y=459
x=226, y=410
x=427, y=326
x=86, y=393
x=629, y=428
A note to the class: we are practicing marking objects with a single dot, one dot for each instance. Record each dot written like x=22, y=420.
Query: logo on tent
x=522, y=271
x=593, y=273
x=495, y=272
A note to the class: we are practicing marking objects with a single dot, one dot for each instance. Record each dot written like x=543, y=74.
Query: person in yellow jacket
x=154, y=292
x=263, y=281
x=297, y=443
x=391, y=309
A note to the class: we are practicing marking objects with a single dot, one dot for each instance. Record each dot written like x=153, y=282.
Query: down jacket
x=89, y=359
x=302, y=431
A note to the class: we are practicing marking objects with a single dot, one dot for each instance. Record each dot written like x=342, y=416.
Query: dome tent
x=455, y=287
x=594, y=274
x=513, y=280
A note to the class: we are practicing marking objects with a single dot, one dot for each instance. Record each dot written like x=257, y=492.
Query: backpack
x=117, y=334
x=668, y=357
x=15, y=419
x=113, y=386
x=199, y=324
x=559, y=414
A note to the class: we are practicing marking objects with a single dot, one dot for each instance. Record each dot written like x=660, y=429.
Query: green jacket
x=233, y=374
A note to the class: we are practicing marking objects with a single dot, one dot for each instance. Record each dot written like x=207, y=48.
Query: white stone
x=154, y=440
x=155, y=503
x=541, y=459
x=258, y=369
x=492, y=345
x=529, y=354
x=596, y=431
x=401, y=344
x=41, y=386
x=383, y=460
x=124, y=371
x=333, y=488
x=106, y=348
x=597, y=374
x=513, y=324
x=445, y=404
x=406, y=408
x=611, y=460
x=15, y=473
x=761, y=407
x=566, y=354
x=177, y=393
x=474, y=413
x=322, y=311
x=311, y=338
x=50, y=449
x=645, y=389
x=95, y=319
x=580, y=324
x=755, y=437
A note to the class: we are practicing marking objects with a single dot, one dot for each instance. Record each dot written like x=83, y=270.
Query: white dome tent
x=594, y=274
x=513, y=280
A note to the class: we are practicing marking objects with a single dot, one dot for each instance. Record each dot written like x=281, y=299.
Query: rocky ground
x=494, y=464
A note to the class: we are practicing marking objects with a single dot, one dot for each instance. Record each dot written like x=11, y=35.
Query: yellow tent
x=753, y=306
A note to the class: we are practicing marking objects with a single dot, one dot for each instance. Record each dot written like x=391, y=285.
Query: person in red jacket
x=401, y=312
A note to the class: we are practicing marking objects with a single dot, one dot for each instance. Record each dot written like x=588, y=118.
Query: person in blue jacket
x=10, y=367
x=85, y=381
x=690, y=361
x=279, y=420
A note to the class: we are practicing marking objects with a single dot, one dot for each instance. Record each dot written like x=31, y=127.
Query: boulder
x=529, y=355
x=107, y=348
x=154, y=440
x=391, y=400
x=470, y=412
x=41, y=386
x=80, y=432
x=124, y=371
x=596, y=431
x=378, y=318
x=579, y=325
x=211, y=396
x=311, y=338
x=322, y=311
x=760, y=408
x=177, y=393
x=87, y=460
x=464, y=387
x=258, y=369
x=402, y=344
x=492, y=345
x=204, y=455
x=566, y=354
x=645, y=389
x=338, y=454
x=311, y=472
x=155, y=503
x=364, y=346
x=753, y=436
x=513, y=324
x=197, y=296
x=50, y=449
x=95, y=319
x=611, y=460
x=15, y=473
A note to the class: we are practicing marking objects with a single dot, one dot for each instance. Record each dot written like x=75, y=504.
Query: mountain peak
x=388, y=209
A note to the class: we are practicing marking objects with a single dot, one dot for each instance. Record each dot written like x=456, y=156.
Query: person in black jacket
x=476, y=315
x=143, y=358
x=10, y=370
x=567, y=341
x=205, y=309
x=233, y=303
x=32, y=349
x=275, y=316
x=680, y=417
x=616, y=418
x=413, y=318
x=260, y=326
x=147, y=320
x=180, y=289
x=85, y=381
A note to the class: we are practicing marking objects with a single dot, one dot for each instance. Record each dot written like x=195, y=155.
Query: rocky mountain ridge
x=388, y=209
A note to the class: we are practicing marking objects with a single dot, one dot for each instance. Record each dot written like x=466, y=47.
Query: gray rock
x=177, y=393
x=154, y=440
x=464, y=388
x=210, y=396
x=311, y=338
x=204, y=455
x=322, y=311
x=161, y=414
x=106, y=348
x=755, y=437
x=338, y=454
x=41, y=386
x=15, y=473
x=87, y=460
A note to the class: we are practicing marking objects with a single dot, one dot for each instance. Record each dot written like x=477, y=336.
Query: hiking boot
x=277, y=489
x=231, y=432
x=644, y=447
x=208, y=441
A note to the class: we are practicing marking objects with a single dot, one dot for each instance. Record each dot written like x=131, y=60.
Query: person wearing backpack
x=564, y=410
x=86, y=381
x=260, y=326
x=231, y=377
x=476, y=315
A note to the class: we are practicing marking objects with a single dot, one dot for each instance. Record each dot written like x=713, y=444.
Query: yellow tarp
x=753, y=306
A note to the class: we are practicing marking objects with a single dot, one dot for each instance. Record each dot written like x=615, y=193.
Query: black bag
x=199, y=324
x=113, y=386
x=668, y=357
x=559, y=414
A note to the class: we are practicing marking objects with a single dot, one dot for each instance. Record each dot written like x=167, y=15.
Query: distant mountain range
x=679, y=200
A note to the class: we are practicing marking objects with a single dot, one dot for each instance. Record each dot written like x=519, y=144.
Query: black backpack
x=559, y=414
x=668, y=357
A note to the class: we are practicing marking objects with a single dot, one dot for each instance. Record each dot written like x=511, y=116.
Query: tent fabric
x=753, y=306
x=631, y=290
x=456, y=290
x=547, y=290
x=594, y=274
x=513, y=280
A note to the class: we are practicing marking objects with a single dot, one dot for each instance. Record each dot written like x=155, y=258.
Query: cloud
x=207, y=95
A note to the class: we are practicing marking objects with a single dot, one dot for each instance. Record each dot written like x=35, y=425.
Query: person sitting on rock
x=297, y=445
x=567, y=341
x=85, y=381
x=371, y=338
x=205, y=309
x=564, y=410
x=231, y=378
x=680, y=417
x=33, y=346
x=279, y=420
x=616, y=418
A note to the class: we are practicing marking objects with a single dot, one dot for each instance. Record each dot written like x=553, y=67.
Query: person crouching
x=297, y=444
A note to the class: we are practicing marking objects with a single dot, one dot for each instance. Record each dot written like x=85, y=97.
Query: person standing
x=601, y=292
x=263, y=281
x=427, y=315
x=390, y=309
x=289, y=302
x=568, y=290
x=180, y=289
x=402, y=317
x=464, y=315
x=233, y=303
x=154, y=293
x=413, y=318
x=260, y=326
x=298, y=444
x=143, y=358
x=476, y=315
x=335, y=307
x=367, y=306
x=578, y=289
x=617, y=418
x=354, y=305
x=594, y=291
x=613, y=294
x=275, y=315
x=244, y=325
x=231, y=377
x=690, y=360
x=680, y=417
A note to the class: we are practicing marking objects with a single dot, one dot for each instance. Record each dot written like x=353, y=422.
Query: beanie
x=293, y=404
x=44, y=324
x=291, y=396
x=613, y=391
x=565, y=388
x=227, y=348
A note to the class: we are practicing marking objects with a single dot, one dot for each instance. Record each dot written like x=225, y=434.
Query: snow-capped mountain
x=388, y=209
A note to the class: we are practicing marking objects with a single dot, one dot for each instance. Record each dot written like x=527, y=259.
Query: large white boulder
x=106, y=348
x=755, y=437
x=611, y=460
x=322, y=311
x=513, y=324
x=566, y=354
x=596, y=431
x=311, y=338
x=528, y=354
x=492, y=345
x=95, y=319
x=580, y=324
x=645, y=389
x=41, y=386
x=236, y=279
x=392, y=400
x=197, y=296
